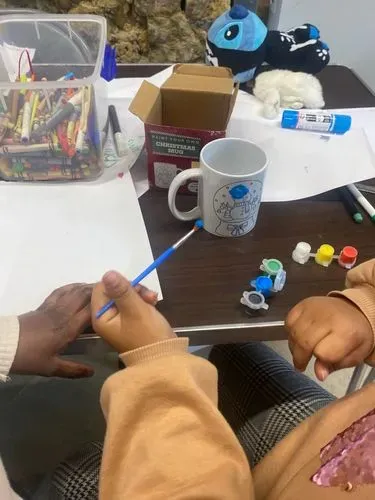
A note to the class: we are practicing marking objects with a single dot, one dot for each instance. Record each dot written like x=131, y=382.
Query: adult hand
x=333, y=329
x=134, y=322
x=46, y=332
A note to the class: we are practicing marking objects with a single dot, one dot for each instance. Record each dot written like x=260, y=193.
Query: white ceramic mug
x=230, y=178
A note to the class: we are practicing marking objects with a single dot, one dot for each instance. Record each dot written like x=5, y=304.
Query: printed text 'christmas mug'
x=230, y=178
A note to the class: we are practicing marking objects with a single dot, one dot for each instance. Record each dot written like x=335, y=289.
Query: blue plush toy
x=239, y=40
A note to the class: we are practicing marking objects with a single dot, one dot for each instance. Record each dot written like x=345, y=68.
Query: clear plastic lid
x=57, y=45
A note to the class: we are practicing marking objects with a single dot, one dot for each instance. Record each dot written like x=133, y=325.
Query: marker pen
x=117, y=134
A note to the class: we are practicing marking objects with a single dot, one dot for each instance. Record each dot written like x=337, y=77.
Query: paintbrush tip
x=198, y=224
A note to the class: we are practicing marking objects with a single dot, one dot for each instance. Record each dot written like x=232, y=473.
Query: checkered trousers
x=261, y=395
x=77, y=478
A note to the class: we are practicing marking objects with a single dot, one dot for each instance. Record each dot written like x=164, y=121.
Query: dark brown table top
x=203, y=282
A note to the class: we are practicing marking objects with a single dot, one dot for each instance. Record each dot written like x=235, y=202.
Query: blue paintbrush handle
x=164, y=256
x=105, y=308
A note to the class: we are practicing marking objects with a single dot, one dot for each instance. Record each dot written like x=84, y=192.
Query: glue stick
x=316, y=122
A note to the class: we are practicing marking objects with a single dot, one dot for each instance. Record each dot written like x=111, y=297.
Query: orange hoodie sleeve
x=360, y=283
x=165, y=437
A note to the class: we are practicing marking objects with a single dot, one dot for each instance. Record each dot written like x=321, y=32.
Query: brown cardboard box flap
x=198, y=111
x=147, y=104
x=198, y=96
x=203, y=70
x=195, y=96
x=232, y=102
x=198, y=83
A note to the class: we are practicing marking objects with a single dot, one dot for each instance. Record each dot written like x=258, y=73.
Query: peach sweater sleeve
x=360, y=283
x=165, y=437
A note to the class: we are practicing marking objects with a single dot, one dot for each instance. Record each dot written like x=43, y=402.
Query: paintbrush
x=164, y=256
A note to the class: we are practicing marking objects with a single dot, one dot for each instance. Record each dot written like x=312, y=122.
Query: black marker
x=117, y=134
x=350, y=205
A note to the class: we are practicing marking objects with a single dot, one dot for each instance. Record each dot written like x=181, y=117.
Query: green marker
x=365, y=204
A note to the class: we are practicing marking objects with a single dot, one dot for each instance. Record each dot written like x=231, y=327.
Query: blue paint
x=238, y=192
x=263, y=285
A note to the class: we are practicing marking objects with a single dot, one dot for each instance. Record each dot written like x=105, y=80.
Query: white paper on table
x=140, y=175
x=124, y=88
x=362, y=118
x=305, y=164
x=134, y=145
x=57, y=234
x=159, y=78
x=249, y=107
x=115, y=165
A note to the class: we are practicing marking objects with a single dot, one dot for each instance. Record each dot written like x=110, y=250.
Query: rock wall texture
x=145, y=30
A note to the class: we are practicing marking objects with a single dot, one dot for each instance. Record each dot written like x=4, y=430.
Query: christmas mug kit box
x=191, y=109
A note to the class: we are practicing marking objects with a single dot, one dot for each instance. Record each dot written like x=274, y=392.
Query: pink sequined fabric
x=349, y=459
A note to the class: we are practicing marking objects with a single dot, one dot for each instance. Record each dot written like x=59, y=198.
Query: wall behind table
x=346, y=25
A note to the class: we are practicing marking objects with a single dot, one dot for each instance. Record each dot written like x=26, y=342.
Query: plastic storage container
x=48, y=115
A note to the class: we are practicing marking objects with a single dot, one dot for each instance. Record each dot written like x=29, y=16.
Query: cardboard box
x=190, y=109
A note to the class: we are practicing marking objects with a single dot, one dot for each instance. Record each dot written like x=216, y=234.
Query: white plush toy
x=286, y=89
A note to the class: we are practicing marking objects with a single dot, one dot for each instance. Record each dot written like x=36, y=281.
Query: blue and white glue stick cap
x=289, y=119
x=342, y=124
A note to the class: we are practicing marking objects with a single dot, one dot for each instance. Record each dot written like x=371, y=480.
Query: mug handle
x=195, y=213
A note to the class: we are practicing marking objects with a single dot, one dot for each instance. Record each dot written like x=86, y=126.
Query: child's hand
x=332, y=329
x=134, y=322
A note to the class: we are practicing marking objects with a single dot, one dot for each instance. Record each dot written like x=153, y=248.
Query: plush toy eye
x=232, y=32
x=229, y=37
